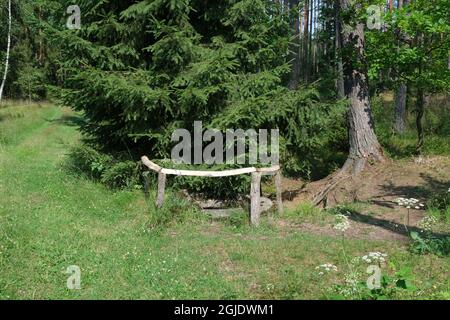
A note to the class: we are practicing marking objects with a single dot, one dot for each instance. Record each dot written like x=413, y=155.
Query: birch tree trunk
x=364, y=145
x=7, y=51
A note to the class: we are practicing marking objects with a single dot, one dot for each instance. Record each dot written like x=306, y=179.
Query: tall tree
x=364, y=145
x=339, y=68
x=306, y=32
x=295, y=27
x=7, y=50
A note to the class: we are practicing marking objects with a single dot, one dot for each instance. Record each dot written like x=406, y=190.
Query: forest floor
x=51, y=219
x=375, y=213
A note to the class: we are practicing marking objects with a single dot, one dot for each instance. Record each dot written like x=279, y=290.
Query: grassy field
x=51, y=219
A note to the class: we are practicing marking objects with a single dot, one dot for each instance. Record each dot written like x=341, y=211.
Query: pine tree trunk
x=364, y=145
x=7, y=51
x=400, y=109
x=310, y=51
x=306, y=41
x=340, y=73
x=295, y=26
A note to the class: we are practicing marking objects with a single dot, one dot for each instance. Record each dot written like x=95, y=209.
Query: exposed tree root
x=345, y=179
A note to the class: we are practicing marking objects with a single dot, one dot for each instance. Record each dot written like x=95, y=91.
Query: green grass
x=51, y=219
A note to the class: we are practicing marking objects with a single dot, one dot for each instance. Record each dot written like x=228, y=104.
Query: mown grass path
x=51, y=219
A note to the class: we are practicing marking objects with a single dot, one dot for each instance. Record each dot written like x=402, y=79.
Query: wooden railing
x=255, y=190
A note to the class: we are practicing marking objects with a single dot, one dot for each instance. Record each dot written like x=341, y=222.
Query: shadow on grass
x=389, y=225
x=424, y=191
x=69, y=120
x=400, y=151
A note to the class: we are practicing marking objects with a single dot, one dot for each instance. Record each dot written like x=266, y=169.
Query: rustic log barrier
x=255, y=190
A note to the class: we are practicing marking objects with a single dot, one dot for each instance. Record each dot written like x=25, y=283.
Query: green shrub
x=216, y=188
x=174, y=211
x=440, y=202
x=112, y=171
x=428, y=244
x=237, y=219
x=87, y=160
x=122, y=175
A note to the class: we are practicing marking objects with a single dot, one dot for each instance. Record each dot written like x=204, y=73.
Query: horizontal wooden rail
x=255, y=192
x=194, y=173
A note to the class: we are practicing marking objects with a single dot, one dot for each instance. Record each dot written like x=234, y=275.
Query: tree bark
x=339, y=68
x=400, y=99
x=7, y=51
x=400, y=109
x=421, y=103
x=364, y=145
x=310, y=33
x=295, y=26
x=306, y=41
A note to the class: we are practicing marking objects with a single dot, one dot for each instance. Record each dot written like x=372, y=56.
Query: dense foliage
x=138, y=70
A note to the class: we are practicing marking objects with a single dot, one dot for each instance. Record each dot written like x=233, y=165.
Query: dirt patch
x=381, y=218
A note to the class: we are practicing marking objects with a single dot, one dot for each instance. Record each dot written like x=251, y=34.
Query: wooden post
x=279, y=192
x=161, y=189
x=146, y=184
x=255, y=197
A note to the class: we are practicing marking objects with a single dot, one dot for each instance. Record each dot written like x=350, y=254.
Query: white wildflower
x=427, y=223
x=375, y=257
x=409, y=203
x=350, y=287
x=342, y=223
x=327, y=267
